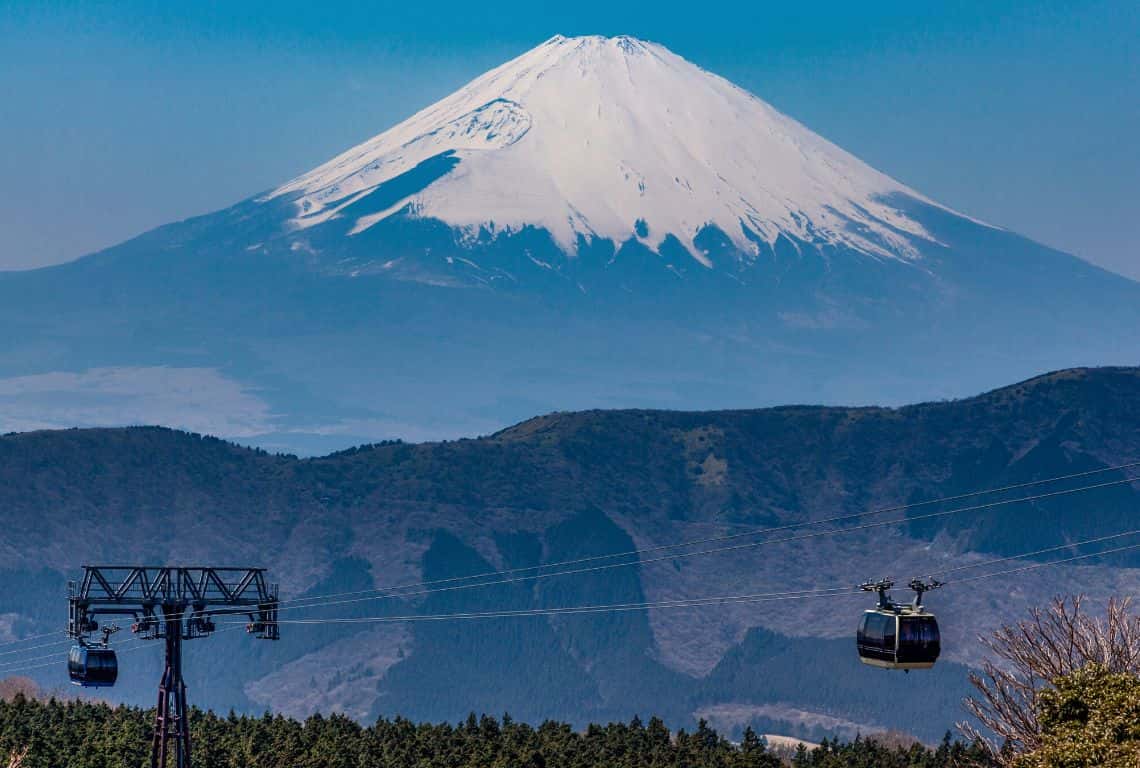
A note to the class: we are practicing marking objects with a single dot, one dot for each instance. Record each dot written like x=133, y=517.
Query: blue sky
x=118, y=117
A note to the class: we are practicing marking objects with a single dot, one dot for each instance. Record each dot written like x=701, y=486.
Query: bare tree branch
x=1027, y=656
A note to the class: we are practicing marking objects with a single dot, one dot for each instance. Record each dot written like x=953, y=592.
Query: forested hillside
x=567, y=486
x=77, y=735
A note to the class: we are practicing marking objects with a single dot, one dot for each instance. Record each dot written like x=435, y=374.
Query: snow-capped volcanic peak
x=618, y=138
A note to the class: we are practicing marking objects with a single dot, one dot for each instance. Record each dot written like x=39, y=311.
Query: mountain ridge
x=573, y=485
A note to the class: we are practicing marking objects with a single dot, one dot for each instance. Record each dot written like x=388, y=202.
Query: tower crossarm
x=147, y=591
x=116, y=584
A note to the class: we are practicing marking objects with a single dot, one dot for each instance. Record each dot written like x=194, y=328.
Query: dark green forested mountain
x=573, y=485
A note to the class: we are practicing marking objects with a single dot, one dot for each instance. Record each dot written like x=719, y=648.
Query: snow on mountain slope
x=617, y=138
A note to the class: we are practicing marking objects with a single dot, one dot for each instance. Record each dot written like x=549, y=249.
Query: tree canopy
x=74, y=734
x=1090, y=718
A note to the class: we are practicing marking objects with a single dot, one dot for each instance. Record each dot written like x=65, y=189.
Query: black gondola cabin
x=902, y=638
x=92, y=667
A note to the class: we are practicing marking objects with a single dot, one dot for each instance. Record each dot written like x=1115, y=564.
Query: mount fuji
x=615, y=140
x=596, y=223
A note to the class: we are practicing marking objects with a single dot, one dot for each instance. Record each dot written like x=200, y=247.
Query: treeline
x=75, y=734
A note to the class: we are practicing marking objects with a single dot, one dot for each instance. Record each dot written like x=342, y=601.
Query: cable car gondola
x=92, y=667
x=899, y=636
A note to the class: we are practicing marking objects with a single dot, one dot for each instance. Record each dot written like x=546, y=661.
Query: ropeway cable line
x=323, y=601
x=716, y=600
x=28, y=638
x=823, y=592
x=699, y=553
x=744, y=534
x=761, y=597
x=390, y=593
x=139, y=645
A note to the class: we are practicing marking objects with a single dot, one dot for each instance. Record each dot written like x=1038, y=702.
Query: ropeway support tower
x=173, y=604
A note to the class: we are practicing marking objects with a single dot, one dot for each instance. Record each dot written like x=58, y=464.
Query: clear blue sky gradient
x=117, y=117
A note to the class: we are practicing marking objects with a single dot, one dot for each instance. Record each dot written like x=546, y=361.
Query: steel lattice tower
x=172, y=603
